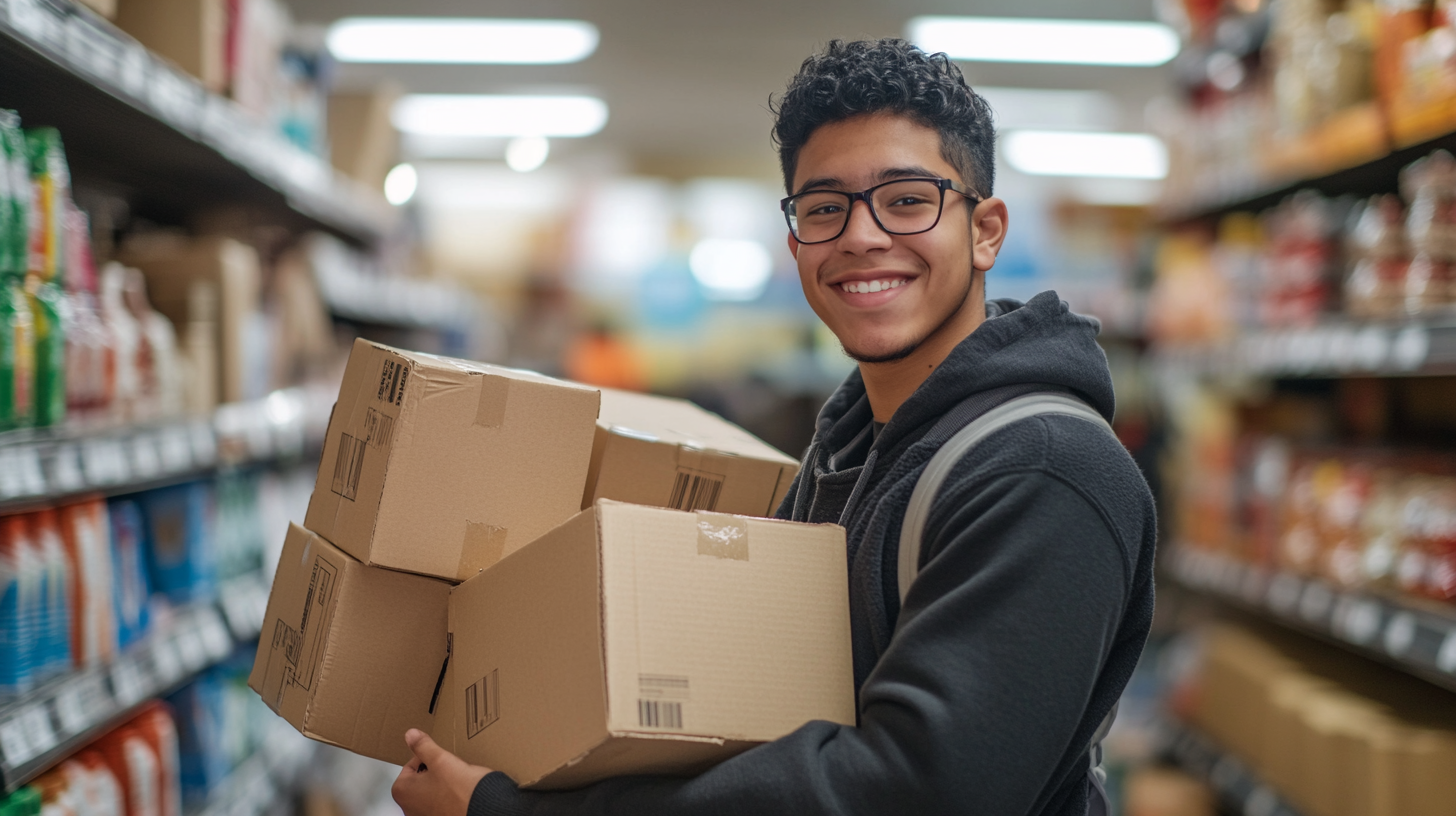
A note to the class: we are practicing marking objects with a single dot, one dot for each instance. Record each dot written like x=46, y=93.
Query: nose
x=862, y=233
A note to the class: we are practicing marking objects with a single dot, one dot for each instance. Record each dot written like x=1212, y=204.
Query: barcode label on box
x=378, y=428
x=482, y=704
x=695, y=490
x=659, y=714
x=392, y=380
x=348, y=466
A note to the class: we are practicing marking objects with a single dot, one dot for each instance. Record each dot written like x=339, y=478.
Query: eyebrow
x=888, y=174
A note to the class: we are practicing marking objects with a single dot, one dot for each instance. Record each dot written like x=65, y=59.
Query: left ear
x=989, y=223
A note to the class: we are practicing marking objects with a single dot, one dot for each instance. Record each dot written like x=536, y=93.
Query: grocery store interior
x=203, y=203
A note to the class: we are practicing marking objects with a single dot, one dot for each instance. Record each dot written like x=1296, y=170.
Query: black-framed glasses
x=900, y=207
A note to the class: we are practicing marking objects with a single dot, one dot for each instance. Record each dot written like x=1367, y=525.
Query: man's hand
x=435, y=782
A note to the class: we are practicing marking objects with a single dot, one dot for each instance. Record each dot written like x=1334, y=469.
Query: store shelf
x=1334, y=349
x=1413, y=635
x=43, y=466
x=1378, y=175
x=134, y=125
x=42, y=727
x=264, y=780
x=1237, y=787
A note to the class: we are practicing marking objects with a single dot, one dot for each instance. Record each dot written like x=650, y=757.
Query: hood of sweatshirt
x=1040, y=342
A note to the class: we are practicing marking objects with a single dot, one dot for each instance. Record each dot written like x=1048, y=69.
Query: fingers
x=424, y=748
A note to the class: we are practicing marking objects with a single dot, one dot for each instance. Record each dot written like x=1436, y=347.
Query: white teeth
x=864, y=287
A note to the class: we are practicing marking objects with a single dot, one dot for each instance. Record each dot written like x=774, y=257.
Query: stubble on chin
x=914, y=345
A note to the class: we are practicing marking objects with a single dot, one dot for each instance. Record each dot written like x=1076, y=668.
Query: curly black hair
x=890, y=75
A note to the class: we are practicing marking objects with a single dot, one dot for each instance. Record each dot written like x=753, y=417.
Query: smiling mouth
x=864, y=287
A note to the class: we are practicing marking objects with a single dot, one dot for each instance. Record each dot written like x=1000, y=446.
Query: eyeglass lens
x=901, y=207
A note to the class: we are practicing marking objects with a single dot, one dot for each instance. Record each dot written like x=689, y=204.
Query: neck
x=888, y=385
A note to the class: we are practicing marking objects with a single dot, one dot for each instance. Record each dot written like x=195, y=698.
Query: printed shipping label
x=392, y=379
x=482, y=704
x=348, y=466
x=378, y=428
x=295, y=654
x=660, y=700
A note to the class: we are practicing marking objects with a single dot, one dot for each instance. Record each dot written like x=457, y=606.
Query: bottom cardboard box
x=352, y=655
x=639, y=640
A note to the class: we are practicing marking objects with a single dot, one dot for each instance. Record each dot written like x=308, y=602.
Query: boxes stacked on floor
x=469, y=566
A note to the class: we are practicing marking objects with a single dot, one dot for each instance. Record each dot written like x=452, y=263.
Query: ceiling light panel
x=1051, y=109
x=461, y=40
x=1071, y=153
x=1066, y=42
x=499, y=115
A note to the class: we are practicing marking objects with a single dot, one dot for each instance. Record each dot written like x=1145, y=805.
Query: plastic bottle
x=130, y=588
x=162, y=373
x=45, y=529
x=17, y=355
x=22, y=616
x=110, y=799
x=126, y=337
x=1381, y=255
x=13, y=675
x=15, y=163
x=51, y=181
x=47, y=307
x=90, y=363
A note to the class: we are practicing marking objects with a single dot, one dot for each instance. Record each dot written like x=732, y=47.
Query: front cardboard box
x=635, y=640
x=349, y=654
x=442, y=467
x=671, y=453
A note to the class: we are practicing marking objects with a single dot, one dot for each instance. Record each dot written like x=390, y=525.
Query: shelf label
x=26, y=735
x=204, y=444
x=216, y=640
x=66, y=476
x=168, y=662
x=38, y=22
x=104, y=461
x=12, y=482
x=1446, y=657
x=1410, y=348
x=146, y=460
x=134, y=67
x=1314, y=605
x=92, y=50
x=127, y=683
x=82, y=703
x=32, y=474
x=1284, y=592
x=175, y=99
x=1400, y=633
x=190, y=648
x=13, y=744
x=1360, y=621
x=175, y=449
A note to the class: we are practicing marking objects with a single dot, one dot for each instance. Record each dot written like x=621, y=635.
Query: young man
x=983, y=692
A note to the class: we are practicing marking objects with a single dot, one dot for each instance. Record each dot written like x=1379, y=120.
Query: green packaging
x=15, y=200
x=17, y=355
x=51, y=180
x=46, y=304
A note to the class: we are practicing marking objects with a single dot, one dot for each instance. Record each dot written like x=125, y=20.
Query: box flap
x=527, y=665
x=679, y=422
x=689, y=603
x=655, y=754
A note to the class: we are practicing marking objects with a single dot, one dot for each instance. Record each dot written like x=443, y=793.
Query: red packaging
x=137, y=769
x=156, y=724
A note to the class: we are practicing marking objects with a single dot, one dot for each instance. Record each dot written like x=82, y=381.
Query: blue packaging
x=130, y=588
x=201, y=735
x=179, y=520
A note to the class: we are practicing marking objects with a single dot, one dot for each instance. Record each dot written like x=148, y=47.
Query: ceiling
x=688, y=82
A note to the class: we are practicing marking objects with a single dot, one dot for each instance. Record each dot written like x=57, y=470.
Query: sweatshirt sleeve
x=971, y=709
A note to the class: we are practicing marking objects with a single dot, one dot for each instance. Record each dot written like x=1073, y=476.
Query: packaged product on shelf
x=191, y=34
x=164, y=386
x=106, y=793
x=156, y=725
x=130, y=589
x=90, y=353
x=480, y=460
x=86, y=534
x=239, y=530
x=1299, y=259
x=671, y=453
x=17, y=355
x=24, y=802
x=202, y=735
x=330, y=620
x=180, y=523
x=127, y=339
x=137, y=767
x=22, y=605
x=45, y=532
x=47, y=309
x=1381, y=256
x=1430, y=186
x=566, y=669
x=14, y=160
x=51, y=182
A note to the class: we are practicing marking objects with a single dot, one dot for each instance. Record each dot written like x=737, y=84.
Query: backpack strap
x=952, y=452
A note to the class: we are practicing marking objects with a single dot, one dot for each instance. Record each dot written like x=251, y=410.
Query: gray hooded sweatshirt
x=1030, y=611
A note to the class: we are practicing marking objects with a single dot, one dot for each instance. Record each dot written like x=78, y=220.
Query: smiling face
x=884, y=296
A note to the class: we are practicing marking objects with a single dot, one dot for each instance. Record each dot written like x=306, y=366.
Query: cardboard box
x=351, y=655
x=442, y=467
x=671, y=453
x=192, y=34
x=636, y=640
x=363, y=143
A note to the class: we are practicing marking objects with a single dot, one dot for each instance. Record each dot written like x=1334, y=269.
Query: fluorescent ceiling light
x=731, y=269
x=461, y=40
x=1072, y=153
x=526, y=153
x=487, y=115
x=1051, y=109
x=400, y=184
x=1074, y=42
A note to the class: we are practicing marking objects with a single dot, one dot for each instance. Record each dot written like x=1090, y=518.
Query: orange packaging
x=156, y=724
x=1400, y=22
x=106, y=795
x=137, y=769
x=85, y=533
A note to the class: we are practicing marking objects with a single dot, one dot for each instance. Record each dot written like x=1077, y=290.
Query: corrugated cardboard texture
x=745, y=649
x=351, y=654
x=441, y=466
x=527, y=669
x=671, y=453
x=612, y=645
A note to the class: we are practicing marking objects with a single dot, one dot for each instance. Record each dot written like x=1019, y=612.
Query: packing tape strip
x=722, y=536
x=484, y=544
x=494, y=393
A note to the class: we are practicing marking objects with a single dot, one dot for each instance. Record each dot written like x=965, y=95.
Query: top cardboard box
x=670, y=453
x=442, y=467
